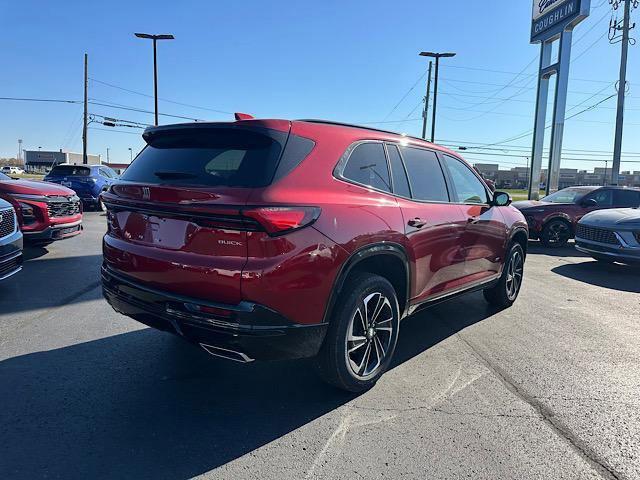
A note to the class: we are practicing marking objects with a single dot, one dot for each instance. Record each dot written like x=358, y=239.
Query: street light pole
x=155, y=39
x=131, y=154
x=437, y=56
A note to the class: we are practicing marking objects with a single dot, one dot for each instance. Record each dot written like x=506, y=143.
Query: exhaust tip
x=226, y=353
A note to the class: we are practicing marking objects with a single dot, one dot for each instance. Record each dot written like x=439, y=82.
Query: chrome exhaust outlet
x=226, y=353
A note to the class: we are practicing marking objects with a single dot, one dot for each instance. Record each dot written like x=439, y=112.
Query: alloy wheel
x=369, y=335
x=515, y=271
x=558, y=233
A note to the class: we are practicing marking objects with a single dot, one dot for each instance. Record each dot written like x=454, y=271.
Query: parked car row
x=37, y=212
x=554, y=219
x=273, y=239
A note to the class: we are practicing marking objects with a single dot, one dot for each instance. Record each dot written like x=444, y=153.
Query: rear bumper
x=10, y=255
x=55, y=232
x=248, y=330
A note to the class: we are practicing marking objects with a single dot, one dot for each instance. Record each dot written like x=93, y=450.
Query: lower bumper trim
x=254, y=332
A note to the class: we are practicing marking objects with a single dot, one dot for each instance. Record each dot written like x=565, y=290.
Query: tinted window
x=425, y=175
x=469, y=189
x=626, y=198
x=229, y=157
x=400, y=180
x=567, y=195
x=603, y=197
x=70, y=170
x=367, y=165
x=111, y=172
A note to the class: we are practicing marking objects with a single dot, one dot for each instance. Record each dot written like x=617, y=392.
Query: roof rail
x=353, y=125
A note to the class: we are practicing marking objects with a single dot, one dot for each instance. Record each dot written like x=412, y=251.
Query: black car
x=10, y=241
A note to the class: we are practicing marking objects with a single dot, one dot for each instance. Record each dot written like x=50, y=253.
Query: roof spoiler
x=243, y=116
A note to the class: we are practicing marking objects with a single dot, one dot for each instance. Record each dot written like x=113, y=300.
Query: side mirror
x=501, y=199
x=591, y=202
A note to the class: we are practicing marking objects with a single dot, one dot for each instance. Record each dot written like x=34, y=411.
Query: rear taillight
x=279, y=220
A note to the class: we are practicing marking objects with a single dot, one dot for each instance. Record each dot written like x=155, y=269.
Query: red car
x=553, y=219
x=272, y=239
x=46, y=212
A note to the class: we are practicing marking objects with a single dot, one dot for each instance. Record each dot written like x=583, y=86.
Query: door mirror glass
x=590, y=202
x=501, y=199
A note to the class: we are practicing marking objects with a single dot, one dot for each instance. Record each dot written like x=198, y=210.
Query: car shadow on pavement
x=625, y=278
x=46, y=282
x=536, y=248
x=146, y=404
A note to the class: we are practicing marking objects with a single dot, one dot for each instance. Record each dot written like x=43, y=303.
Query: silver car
x=610, y=235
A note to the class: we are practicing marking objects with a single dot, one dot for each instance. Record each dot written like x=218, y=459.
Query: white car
x=9, y=170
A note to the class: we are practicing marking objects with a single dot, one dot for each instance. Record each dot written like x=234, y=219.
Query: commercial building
x=518, y=177
x=42, y=159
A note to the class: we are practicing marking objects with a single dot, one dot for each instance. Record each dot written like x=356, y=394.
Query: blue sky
x=351, y=61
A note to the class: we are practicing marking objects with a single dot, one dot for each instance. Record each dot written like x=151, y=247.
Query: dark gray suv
x=10, y=241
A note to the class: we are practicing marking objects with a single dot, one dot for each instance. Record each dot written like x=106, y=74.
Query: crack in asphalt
x=547, y=415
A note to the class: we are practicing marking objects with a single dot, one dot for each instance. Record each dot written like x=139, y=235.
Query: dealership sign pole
x=552, y=20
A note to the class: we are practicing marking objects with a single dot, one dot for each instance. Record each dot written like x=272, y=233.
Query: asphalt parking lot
x=547, y=389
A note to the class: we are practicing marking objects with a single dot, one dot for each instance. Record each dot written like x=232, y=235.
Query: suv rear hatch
x=176, y=219
x=75, y=177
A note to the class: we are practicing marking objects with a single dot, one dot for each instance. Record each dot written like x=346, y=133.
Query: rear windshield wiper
x=167, y=175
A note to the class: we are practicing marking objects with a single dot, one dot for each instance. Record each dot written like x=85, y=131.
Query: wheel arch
x=521, y=236
x=389, y=260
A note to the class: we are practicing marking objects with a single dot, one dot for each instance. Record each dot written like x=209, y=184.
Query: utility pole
x=425, y=113
x=622, y=85
x=437, y=56
x=107, y=155
x=85, y=115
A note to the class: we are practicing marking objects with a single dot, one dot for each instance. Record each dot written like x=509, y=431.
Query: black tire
x=341, y=365
x=556, y=233
x=505, y=292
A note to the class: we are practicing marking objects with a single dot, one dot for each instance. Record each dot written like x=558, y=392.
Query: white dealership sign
x=540, y=7
x=550, y=17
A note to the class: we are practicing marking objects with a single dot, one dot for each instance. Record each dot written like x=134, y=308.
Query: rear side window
x=400, y=180
x=70, y=170
x=603, y=197
x=469, y=189
x=367, y=165
x=626, y=198
x=425, y=175
x=209, y=157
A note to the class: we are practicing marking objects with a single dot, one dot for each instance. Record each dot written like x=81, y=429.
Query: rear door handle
x=417, y=223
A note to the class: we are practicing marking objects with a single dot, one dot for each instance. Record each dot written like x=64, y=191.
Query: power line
x=159, y=98
x=50, y=100
x=405, y=95
x=140, y=110
x=569, y=159
x=115, y=130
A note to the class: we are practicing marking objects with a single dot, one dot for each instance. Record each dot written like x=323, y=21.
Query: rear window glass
x=70, y=170
x=226, y=157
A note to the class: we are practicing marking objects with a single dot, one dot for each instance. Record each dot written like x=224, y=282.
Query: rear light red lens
x=278, y=220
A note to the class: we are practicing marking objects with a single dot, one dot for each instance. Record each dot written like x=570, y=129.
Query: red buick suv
x=273, y=239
